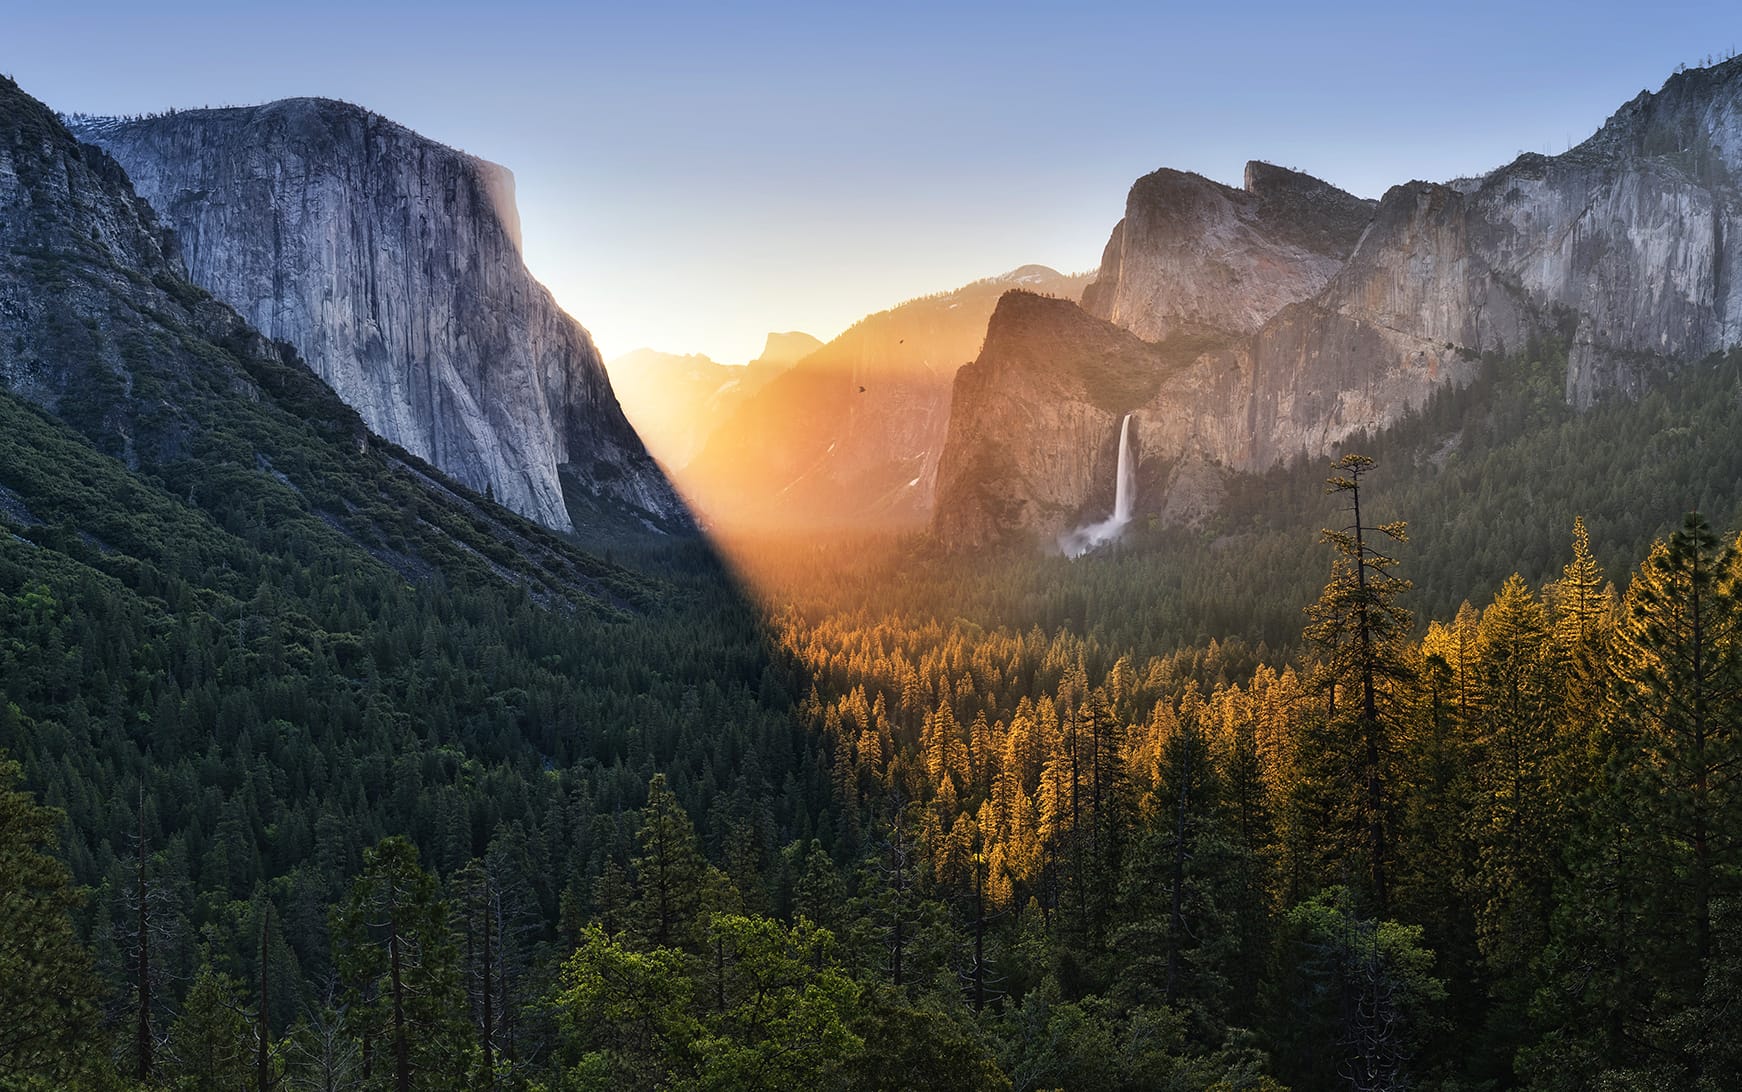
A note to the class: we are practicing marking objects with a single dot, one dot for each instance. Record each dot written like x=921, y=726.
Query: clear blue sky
x=692, y=175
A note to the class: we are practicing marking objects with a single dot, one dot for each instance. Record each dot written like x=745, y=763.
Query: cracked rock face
x=393, y=265
x=1192, y=254
x=1288, y=316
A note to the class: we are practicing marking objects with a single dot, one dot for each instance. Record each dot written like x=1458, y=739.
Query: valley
x=1304, y=652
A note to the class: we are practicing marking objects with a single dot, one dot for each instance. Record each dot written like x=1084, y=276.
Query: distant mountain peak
x=787, y=348
x=1028, y=275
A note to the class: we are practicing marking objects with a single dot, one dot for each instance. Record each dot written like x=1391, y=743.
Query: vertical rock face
x=393, y=264
x=1329, y=316
x=1192, y=254
x=1047, y=392
x=1626, y=244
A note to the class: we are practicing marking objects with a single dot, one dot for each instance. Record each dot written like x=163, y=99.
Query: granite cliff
x=392, y=263
x=1623, y=248
x=209, y=432
x=1193, y=254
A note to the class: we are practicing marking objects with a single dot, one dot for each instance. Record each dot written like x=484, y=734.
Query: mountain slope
x=852, y=434
x=675, y=402
x=393, y=264
x=236, y=625
x=100, y=327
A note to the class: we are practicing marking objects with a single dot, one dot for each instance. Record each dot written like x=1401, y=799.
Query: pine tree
x=1582, y=601
x=1679, y=660
x=401, y=972
x=209, y=1042
x=668, y=871
x=478, y=909
x=613, y=897
x=1247, y=791
x=888, y=895
x=1177, y=932
x=818, y=896
x=1358, y=627
x=1584, y=611
x=48, y=1006
x=1516, y=823
x=1641, y=969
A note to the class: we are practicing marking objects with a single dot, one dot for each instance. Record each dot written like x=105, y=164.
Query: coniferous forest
x=349, y=831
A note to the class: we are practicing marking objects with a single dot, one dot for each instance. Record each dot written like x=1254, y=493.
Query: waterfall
x=1125, y=485
x=1091, y=535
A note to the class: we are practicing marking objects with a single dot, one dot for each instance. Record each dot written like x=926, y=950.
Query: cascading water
x=1091, y=535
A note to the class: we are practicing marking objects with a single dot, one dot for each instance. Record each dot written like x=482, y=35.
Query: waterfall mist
x=1091, y=535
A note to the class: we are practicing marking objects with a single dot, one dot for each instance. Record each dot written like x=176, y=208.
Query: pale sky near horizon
x=693, y=175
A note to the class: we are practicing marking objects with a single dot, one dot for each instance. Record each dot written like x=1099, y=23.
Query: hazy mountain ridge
x=393, y=264
x=675, y=401
x=1622, y=247
x=851, y=435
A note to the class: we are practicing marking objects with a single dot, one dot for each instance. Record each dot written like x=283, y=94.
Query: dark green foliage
x=1363, y=996
x=211, y=1047
x=669, y=872
x=400, y=968
x=1357, y=629
x=1178, y=938
x=285, y=701
x=48, y=1010
x=1089, y=1044
x=1645, y=938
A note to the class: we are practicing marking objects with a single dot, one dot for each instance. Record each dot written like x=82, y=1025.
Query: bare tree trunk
x=263, y=1037
x=143, y=1041
x=401, y=1046
x=489, y=1013
x=1369, y=709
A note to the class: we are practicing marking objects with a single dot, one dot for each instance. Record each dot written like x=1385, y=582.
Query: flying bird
x=861, y=390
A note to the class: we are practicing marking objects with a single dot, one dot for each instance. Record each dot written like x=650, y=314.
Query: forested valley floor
x=1244, y=806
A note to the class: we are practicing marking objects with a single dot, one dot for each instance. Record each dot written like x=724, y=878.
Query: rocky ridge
x=1623, y=248
x=107, y=349
x=1193, y=254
